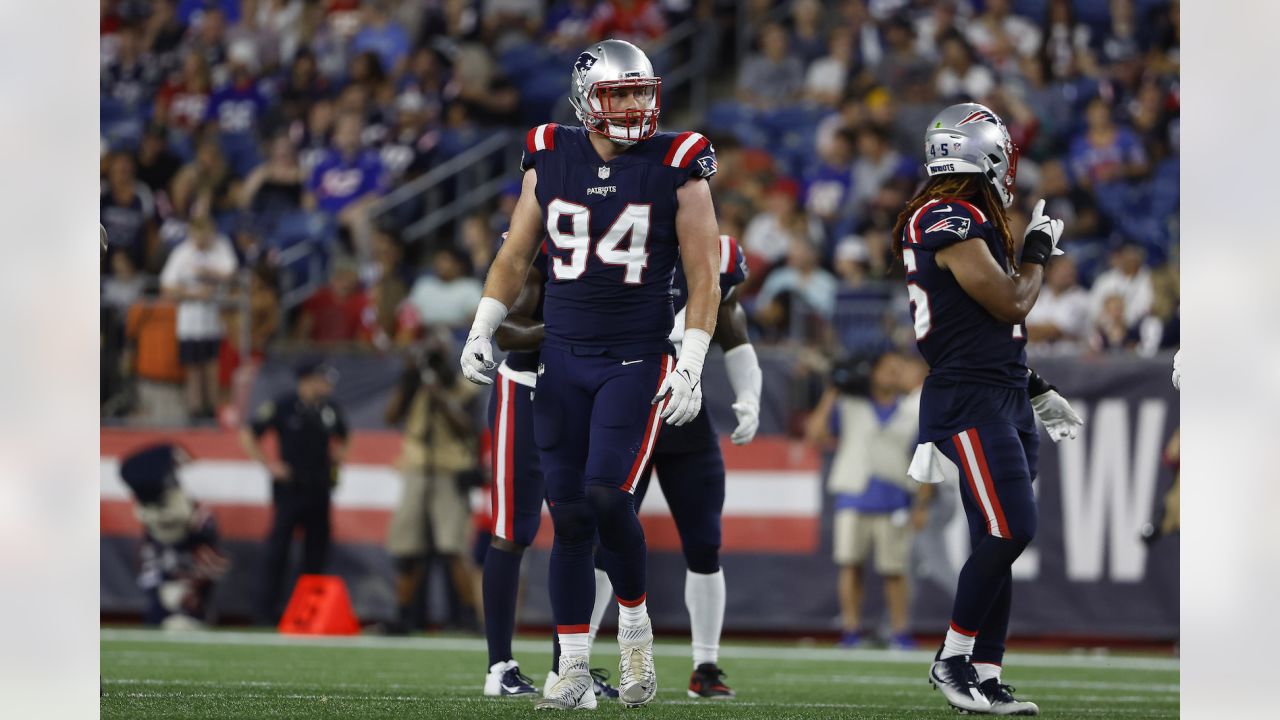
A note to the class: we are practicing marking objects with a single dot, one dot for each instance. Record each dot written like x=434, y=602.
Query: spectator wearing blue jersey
x=1105, y=152
x=237, y=109
x=346, y=181
x=827, y=184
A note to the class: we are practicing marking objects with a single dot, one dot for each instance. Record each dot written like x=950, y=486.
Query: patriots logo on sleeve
x=707, y=166
x=957, y=225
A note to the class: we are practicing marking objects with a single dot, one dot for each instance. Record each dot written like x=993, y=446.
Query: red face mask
x=616, y=117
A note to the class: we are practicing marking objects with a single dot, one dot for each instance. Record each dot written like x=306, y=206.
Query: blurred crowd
x=821, y=147
x=248, y=147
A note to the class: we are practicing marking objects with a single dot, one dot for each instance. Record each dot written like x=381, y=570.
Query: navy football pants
x=690, y=470
x=997, y=463
x=595, y=429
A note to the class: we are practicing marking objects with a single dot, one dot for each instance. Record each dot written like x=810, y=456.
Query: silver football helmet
x=969, y=138
x=615, y=93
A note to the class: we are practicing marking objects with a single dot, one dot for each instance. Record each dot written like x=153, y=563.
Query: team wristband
x=1037, y=248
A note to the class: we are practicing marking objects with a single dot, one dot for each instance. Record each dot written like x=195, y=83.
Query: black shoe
x=706, y=682
x=600, y=684
x=1003, y=702
x=958, y=681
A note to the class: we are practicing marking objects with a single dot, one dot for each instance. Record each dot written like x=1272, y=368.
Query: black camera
x=436, y=368
x=851, y=375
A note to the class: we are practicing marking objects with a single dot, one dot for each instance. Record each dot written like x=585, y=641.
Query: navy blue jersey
x=527, y=360
x=611, y=230
x=959, y=339
x=733, y=272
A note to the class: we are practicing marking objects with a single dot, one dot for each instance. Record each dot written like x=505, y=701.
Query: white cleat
x=638, y=680
x=958, y=682
x=552, y=677
x=1004, y=703
x=572, y=690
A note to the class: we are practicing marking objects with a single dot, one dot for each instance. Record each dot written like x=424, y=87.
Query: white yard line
x=667, y=649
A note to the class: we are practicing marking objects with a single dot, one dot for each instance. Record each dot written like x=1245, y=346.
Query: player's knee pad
x=574, y=522
x=701, y=558
x=610, y=504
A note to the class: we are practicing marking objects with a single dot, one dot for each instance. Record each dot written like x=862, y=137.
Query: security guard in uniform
x=312, y=435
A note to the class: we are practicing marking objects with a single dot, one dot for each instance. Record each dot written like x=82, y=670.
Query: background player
x=690, y=470
x=621, y=203
x=968, y=301
x=518, y=489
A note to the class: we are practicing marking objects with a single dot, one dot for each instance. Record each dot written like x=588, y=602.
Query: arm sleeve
x=743, y=369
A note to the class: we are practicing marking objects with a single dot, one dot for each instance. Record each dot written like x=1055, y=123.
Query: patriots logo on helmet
x=707, y=166
x=979, y=116
x=584, y=62
x=957, y=225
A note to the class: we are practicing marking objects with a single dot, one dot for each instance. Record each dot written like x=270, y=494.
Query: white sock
x=573, y=644
x=604, y=594
x=704, y=596
x=957, y=643
x=632, y=616
x=987, y=671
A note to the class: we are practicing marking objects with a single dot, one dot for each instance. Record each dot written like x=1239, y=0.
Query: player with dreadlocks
x=969, y=299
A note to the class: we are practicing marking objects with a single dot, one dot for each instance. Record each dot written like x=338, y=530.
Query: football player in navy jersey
x=969, y=299
x=620, y=204
x=690, y=470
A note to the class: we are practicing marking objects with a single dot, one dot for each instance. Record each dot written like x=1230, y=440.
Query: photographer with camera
x=873, y=420
x=439, y=463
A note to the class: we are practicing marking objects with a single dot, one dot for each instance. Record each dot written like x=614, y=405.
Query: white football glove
x=748, y=422
x=1056, y=414
x=1051, y=226
x=477, y=354
x=682, y=390
x=1177, y=370
x=477, y=359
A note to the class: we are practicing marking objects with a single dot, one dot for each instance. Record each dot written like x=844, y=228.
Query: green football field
x=151, y=674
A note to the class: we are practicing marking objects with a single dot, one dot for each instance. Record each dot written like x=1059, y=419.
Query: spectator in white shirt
x=827, y=77
x=1129, y=278
x=448, y=296
x=192, y=276
x=1060, y=319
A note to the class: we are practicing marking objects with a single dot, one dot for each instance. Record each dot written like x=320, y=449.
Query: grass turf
x=150, y=674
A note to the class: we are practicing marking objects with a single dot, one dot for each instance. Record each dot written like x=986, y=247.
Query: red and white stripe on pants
x=650, y=431
x=974, y=464
x=502, y=490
